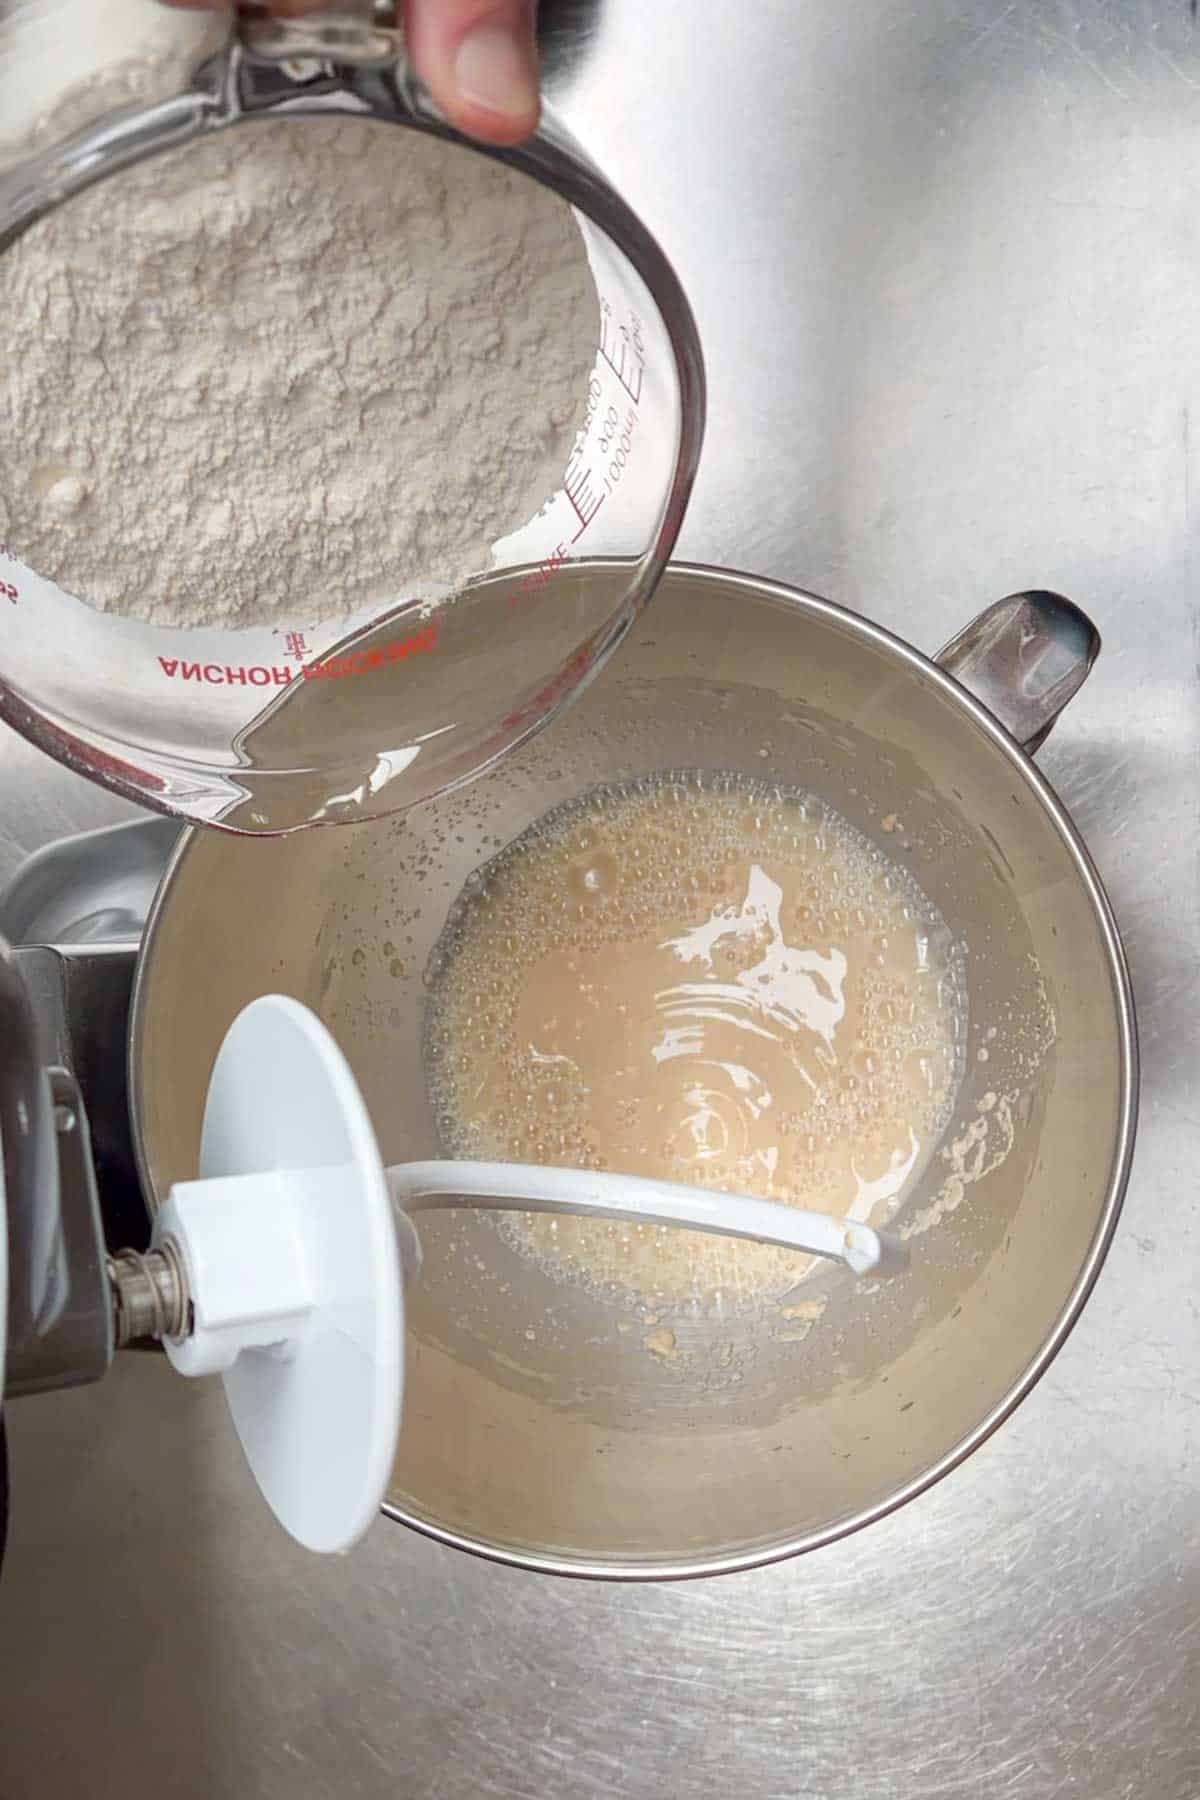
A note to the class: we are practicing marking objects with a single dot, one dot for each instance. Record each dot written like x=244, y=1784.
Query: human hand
x=478, y=58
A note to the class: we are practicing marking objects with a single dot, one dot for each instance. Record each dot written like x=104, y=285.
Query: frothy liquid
x=703, y=978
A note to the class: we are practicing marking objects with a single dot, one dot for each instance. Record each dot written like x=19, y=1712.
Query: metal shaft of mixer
x=149, y=1295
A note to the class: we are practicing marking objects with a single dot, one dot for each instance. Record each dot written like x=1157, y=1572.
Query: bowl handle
x=1025, y=658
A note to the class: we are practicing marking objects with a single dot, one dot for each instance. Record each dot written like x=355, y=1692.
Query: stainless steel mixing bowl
x=539, y=1431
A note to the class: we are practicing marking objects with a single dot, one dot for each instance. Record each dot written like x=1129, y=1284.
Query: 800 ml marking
x=616, y=441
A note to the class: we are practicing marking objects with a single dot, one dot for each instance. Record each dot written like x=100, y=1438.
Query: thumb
x=478, y=58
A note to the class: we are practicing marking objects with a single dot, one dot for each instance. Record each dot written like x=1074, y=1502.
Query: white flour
x=300, y=369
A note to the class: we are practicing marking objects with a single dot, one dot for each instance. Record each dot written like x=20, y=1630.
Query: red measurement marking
x=296, y=645
x=360, y=662
x=584, y=498
x=622, y=351
x=8, y=589
x=537, y=578
x=334, y=668
x=568, y=677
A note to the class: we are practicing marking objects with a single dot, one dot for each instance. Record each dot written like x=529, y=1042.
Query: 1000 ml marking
x=617, y=437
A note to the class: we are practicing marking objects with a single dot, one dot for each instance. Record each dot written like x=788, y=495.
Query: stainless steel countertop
x=945, y=259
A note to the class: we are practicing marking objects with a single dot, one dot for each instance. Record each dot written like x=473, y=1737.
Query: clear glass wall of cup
x=291, y=724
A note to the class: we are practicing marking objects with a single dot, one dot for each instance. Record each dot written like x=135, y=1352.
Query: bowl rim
x=1022, y=765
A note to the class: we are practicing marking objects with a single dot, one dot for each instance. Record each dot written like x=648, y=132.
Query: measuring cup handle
x=353, y=33
x=1025, y=658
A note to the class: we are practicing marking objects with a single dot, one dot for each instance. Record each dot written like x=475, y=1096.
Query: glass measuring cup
x=295, y=723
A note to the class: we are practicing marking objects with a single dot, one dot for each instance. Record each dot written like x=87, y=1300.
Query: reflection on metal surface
x=81, y=999
x=92, y=889
x=36, y=1277
x=945, y=264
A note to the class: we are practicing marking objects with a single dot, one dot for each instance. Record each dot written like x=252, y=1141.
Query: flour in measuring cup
x=300, y=369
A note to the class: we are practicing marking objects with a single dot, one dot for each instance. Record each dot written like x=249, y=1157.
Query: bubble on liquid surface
x=707, y=979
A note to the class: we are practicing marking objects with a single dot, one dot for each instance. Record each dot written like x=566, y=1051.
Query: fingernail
x=493, y=69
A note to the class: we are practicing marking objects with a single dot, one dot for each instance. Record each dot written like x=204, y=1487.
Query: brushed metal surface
x=945, y=261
